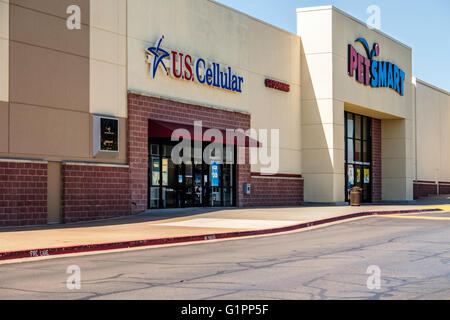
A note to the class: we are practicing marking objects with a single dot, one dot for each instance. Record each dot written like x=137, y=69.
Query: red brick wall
x=93, y=192
x=275, y=191
x=424, y=189
x=444, y=187
x=376, y=160
x=23, y=193
x=142, y=108
x=244, y=176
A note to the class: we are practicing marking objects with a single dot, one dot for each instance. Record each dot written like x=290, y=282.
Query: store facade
x=345, y=87
x=93, y=119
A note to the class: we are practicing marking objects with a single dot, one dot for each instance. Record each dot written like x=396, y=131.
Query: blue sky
x=424, y=25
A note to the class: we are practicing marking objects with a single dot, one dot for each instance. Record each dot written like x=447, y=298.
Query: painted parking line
x=417, y=217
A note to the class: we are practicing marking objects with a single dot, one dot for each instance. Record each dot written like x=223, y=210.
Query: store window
x=191, y=184
x=358, y=159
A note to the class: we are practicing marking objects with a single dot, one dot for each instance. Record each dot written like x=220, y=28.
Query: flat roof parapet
x=320, y=8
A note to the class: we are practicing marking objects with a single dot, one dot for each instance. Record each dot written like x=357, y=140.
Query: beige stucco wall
x=310, y=117
x=432, y=133
x=321, y=152
x=397, y=135
x=4, y=75
x=92, y=77
x=108, y=87
x=328, y=91
x=56, y=78
x=345, y=31
x=254, y=50
x=4, y=127
x=4, y=50
x=48, y=81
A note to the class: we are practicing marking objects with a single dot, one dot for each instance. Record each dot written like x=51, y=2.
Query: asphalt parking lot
x=412, y=253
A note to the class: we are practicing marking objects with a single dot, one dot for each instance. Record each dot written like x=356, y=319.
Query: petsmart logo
x=372, y=72
x=183, y=66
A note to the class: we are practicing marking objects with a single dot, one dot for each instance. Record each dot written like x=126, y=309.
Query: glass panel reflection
x=227, y=175
x=350, y=126
x=216, y=199
x=154, y=197
x=155, y=171
x=228, y=197
x=357, y=127
x=357, y=150
x=350, y=151
x=198, y=185
x=188, y=185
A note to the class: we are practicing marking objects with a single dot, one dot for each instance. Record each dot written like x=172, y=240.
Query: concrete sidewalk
x=183, y=225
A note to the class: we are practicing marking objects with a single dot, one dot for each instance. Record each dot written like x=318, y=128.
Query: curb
x=34, y=253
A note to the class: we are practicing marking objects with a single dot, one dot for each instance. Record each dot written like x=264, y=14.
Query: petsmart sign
x=183, y=66
x=375, y=73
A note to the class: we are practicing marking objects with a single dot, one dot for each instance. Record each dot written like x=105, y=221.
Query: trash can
x=355, y=196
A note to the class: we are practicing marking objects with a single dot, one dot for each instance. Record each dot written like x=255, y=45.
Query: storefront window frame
x=364, y=139
x=182, y=170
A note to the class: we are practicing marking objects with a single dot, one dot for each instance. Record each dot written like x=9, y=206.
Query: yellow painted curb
x=417, y=217
x=442, y=207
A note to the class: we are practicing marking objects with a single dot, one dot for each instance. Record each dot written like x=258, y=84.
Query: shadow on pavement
x=165, y=214
x=147, y=216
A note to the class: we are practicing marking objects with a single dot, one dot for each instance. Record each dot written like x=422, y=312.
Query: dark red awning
x=164, y=129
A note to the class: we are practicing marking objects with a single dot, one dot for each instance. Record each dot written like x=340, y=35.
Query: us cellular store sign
x=180, y=65
x=375, y=73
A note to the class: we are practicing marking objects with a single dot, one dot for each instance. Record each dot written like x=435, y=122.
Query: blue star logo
x=159, y=54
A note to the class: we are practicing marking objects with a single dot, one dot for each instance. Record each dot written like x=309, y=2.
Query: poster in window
x=366, y=175
x=165, y=172
x=214, y=174
x=155, y=171
x=358, y=175
x=198, y=187
x=351, y=176
x=109, y=129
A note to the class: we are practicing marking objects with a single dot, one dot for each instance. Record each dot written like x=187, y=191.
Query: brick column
x=243, y=176
x=138, y=152
x=376, y=160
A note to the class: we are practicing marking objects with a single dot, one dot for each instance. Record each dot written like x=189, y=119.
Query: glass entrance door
x=198, y=185
x=358, y=155
x=188, y=184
